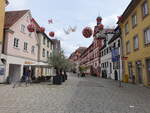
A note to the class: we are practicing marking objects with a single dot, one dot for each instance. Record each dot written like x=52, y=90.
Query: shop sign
x=115, y=55
x=28, y=62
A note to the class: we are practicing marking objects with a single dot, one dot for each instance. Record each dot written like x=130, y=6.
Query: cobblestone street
x=76, y=95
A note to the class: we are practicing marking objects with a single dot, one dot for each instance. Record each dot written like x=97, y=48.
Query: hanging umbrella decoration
x=87, y=32
x=42, y=29
x=50, y=21
x=66, y=32
x=35, y=27
x=31, y=28
x=51, y=34
x=70, y=30
x=119, y=18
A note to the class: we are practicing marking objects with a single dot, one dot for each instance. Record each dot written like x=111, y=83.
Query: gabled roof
x=11, y=17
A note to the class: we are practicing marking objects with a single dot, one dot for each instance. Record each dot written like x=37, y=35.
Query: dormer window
x=22, y=28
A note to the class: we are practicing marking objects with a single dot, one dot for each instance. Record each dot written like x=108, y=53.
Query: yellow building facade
x=135, y=28
x=2, y=15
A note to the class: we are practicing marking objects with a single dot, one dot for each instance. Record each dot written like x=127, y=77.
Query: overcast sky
x=65, y=13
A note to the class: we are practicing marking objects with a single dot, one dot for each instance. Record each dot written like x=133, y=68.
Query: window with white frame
x=136, y=42
x=126, y=28
x=32, y=49
x=25, y=46
x=16, y=42
x=43, y=52
x=147, y=36
x=134, y=20
x=145, y=8
x=128, y=47
x=23, y=28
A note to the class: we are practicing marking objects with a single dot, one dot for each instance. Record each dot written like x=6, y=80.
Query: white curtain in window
x=136, y=42
x=145, y=8
x=147, y=36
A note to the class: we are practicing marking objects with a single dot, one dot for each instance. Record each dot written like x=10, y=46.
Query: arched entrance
x=116, y=75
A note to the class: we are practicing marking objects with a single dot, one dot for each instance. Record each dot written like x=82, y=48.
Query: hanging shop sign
x=115, y=55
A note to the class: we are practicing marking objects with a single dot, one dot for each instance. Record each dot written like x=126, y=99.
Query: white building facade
x=111, y=68
x=106, y=58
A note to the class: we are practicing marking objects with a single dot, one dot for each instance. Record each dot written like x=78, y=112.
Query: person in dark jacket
x=27, y=77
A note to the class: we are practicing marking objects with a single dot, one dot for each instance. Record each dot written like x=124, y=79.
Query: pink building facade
x=20, y=47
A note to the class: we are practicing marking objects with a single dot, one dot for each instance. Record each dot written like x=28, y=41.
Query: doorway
x=116, y=75
x=148, y=70
x=139, y=72
x=14, y=73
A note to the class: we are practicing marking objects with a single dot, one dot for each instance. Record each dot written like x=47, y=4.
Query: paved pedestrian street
x=76, y=95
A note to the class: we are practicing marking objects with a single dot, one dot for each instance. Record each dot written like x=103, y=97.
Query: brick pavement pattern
x=76, y=95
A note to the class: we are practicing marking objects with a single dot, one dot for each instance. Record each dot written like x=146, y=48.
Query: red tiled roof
x=11, y=17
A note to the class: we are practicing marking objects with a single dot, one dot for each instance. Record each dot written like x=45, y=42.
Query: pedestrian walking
x=78, y=74
x=15, y=80
x=27, y=75
x=133, y=79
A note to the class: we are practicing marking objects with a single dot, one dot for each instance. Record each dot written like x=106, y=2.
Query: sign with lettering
x=115, y=55
x=28, y=62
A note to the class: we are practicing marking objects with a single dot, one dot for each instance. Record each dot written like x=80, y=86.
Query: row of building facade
x=124, y=52
x=21, y=49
